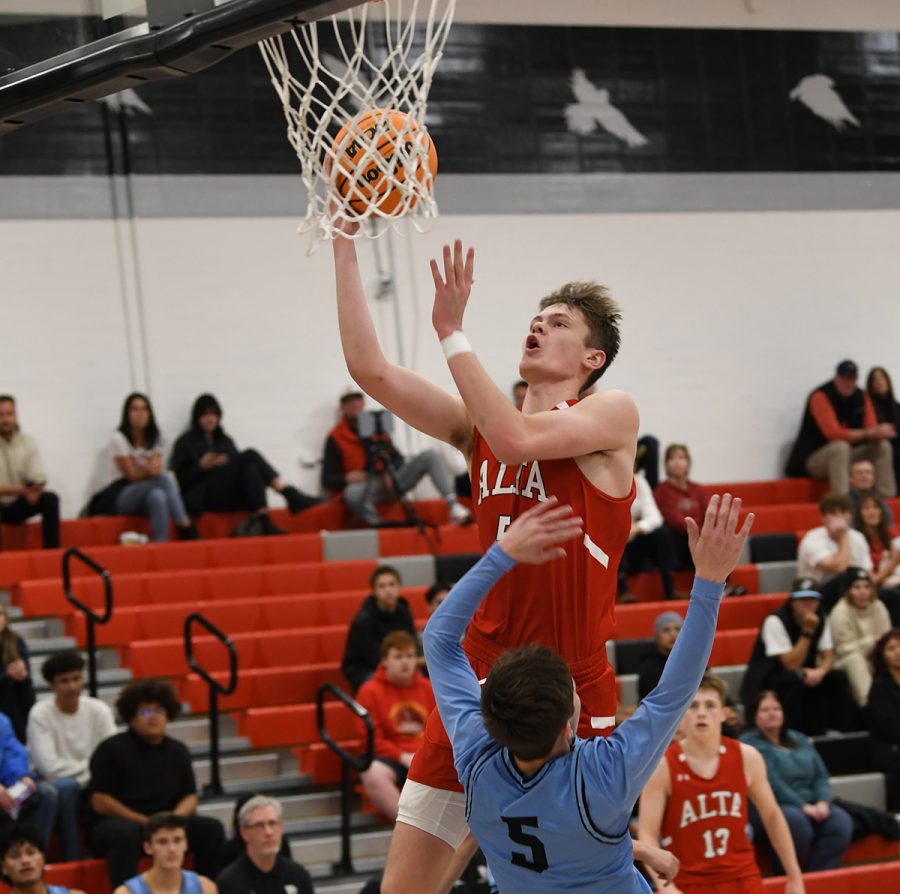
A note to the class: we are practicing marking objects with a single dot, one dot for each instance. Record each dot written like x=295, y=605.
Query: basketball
x=377, y=154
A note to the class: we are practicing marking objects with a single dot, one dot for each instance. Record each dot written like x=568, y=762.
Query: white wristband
x=455, y=343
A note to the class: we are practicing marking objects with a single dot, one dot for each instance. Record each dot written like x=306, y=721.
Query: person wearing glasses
x=261, y=868
x=143, y=771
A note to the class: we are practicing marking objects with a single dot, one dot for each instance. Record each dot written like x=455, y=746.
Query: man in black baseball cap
x=839, y=424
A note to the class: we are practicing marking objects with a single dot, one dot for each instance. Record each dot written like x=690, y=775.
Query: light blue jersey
x=57, y=889
x=190, y=884
x=565, y=828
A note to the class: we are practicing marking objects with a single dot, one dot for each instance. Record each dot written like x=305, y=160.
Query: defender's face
x=705, y=715
x=556, y=346
x=24, y=865
x=167, y=847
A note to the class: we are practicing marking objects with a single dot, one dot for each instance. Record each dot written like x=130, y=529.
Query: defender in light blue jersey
x=550, y=810
x=22, y=862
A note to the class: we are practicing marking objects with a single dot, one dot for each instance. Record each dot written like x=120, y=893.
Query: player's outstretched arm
x=606, y=421
x=534, y=537
x=773, y=820
x=412, y=397
x=652, y=810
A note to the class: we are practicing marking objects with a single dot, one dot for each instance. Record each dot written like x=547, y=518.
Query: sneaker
x=298, y=501
x=249, y=527
x=459, y=515
x=188, y=532
x=267, y=526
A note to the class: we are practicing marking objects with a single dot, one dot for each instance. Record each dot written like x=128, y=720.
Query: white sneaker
x=459, y=515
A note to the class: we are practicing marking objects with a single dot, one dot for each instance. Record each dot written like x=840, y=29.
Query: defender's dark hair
x=151, y=432
x=158, y=821
x=526, y=700
x=147, y=692
x=384, y=569
x=204, y=404
x=15, y=836
x=61, y=663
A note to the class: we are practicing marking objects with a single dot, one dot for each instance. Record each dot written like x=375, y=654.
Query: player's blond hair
x=716, y=684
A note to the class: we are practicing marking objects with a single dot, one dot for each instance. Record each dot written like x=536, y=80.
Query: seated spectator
x=383, y=611
x=16, y=688
x=794, y=656
x=363, y=470
x=140, y=485
x=862, y=484
x=885, y=553
x=63, y=732
x=697, y=800
x=857, y=622
x=883, y=713
x=647, y=459
x=839, y=424
x=22, y=862
x=519, y=390
x=649, y=542
x=399, y=700
x=23, y=479
x=820, y=829
x=166, y=843
x=666, y=628
x=236, y=847
x=887, y=409
x=140, y=772
x=214, y=475
x=678, y=498
x=434, y=596
x=263, y=867
x=827, y=553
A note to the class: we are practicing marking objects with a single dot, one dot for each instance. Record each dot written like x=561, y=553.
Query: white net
x=354, y=91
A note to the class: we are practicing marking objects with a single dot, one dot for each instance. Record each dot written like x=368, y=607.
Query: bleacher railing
x=216, y=688
x=91, y=617
x=349, y=762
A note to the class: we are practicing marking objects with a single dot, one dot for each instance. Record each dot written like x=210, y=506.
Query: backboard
x=58, y=53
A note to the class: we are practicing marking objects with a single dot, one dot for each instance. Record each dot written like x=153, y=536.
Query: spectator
x=166, y=843
x=399, y=700
x=383, y=611
x=647, y=459
x=678, y=498
x=649, y=541
x=63, y=732
x=872, y=522
x=794, y=656
x=887, y=409
x=858, y=621
x=16, y=688
x=23, y=479
x=435, y=595
x=214, y=475
x=263, y=868
x=827, y=553
x=363, y=470
x=235, y=847
x=22, y=862
x=666, y=628
x=141, y=486
x=883, y=714
x=862, y=484
x=820, y=829
x=519, y=390
x=697, y=799
x=839, y=423
x=140, y=772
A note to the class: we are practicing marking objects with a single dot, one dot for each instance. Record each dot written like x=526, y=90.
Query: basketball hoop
x=362, y=68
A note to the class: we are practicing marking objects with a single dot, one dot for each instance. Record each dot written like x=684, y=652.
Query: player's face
x=387, y=591
x=556, y=345
x=705, y=715
x=167, y=848
x=769, y=715
x=666, y=637
x=400, y=666
x=861, y=593
x=263, y=832
x=24, y=864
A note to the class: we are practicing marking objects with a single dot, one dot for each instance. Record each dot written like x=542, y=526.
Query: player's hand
x=717, y=548
x=451, y=291
x=339, y=222
x=664, y=863
x=534, y=537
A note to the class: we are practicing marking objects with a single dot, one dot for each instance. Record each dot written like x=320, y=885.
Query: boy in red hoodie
x=399, y=700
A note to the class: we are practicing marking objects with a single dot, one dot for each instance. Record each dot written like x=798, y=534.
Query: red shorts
x=750, y=885
x=595, y=683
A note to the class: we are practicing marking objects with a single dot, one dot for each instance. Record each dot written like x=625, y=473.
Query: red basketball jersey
x=705, y=823
x=566, y=604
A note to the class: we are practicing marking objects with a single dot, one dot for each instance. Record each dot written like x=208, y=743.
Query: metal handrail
x=216, y=688
x=349, y=762
x=91, y=617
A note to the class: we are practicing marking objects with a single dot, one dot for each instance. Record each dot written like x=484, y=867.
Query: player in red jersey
x=696, y=804
x=580, y=451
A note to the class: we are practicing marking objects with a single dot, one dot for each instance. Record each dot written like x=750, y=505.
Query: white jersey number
x=714, y=849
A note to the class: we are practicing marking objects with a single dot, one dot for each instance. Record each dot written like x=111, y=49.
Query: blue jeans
x=819, y=845
x=157, y=498
x=68, y=807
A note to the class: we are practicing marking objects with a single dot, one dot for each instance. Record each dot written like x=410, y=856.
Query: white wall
x=729, y=320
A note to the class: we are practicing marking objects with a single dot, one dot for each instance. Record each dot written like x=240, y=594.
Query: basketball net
x=328, y=73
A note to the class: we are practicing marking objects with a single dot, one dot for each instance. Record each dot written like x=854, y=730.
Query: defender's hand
x=664, y=863
x=534, y=536
x=451, y=291
x=717, y=548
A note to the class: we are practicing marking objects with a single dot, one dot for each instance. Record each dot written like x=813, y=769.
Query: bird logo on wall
x=594, y=109
x=817, y=93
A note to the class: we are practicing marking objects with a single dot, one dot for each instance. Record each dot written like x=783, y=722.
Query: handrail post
x=349, y=762
x=91, y=617
x=214, y=786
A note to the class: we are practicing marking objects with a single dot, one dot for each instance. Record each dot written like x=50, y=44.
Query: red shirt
x=676, y=504
x=705, y=822
x=566, y=604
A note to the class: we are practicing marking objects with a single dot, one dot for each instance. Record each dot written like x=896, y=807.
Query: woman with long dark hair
x=881, y=392
x=821, y=830
x=214, y=475
x=16, y=688
x=871, y=520
x=883, y=713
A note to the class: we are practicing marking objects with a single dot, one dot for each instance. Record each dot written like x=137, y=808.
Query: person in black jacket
x=666, y=627
x=383, y=611
x=214, y=475
x=883, y=713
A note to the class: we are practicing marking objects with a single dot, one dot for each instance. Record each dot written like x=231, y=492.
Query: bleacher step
x=38, y=628
x=227, y=745
x=319, y=854
x=261, y=766
x=350, y=885
x=302, y=806
x=277, y=786
x=863, y=788
x=196, y=728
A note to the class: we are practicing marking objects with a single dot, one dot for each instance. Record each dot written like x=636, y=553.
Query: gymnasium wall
x=742, y=284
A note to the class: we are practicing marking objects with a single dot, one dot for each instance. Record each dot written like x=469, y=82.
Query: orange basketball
x=375, y=152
